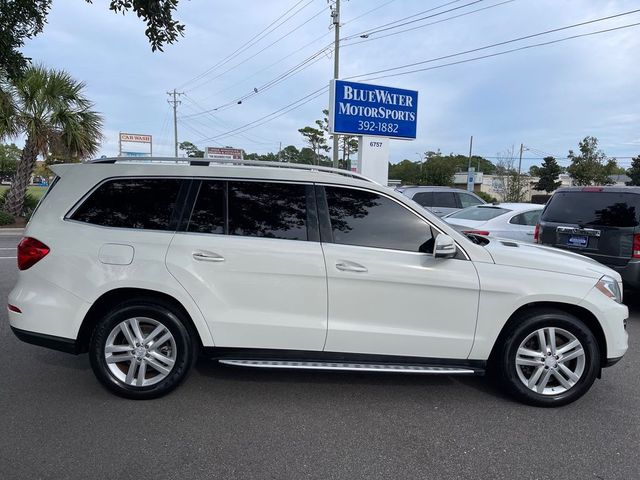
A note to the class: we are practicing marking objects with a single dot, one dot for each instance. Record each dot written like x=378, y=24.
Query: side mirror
x=444, y=247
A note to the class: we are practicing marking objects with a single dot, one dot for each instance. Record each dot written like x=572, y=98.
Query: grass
x=36, y=191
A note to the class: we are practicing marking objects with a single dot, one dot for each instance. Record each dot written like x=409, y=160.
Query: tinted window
x=208, y=212
x=479, y=213
x=274, y=210
x=131, y=203
x=424, y=198
x=467, y=200
x=444, y=199
x=526, y=218
x=608, y=209
x=371, y=220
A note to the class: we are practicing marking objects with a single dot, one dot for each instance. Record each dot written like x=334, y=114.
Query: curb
x=11, y=231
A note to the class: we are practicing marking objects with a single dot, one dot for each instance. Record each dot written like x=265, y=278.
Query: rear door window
x=274, y=210
x=605, y=209
x=529, y=219
x=140, y=203
x=424, y=199
x=445, y=200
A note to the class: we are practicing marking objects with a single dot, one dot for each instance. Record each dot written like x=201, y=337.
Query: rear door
x=595, y=222
x=444, y=203
x=522, y=226
x=251, y=259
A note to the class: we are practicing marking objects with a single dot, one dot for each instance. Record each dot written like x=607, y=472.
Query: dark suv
x=599, y=222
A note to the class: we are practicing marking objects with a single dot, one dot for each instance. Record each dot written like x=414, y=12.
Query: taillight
x=536, y=234
x=636, y=245
x=476, y=232
x=13, y=308
x=30, y=252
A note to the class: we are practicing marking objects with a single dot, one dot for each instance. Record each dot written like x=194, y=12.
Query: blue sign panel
x=363, y=109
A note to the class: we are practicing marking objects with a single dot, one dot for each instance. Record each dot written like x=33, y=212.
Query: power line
x=388, y=26
x=260, y=121
x=428, y=24
x=351, y=20
x=260, y=51
x=444, y=57
x=248, y=44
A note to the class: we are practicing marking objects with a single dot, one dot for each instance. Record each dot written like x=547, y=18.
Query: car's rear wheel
x=141, y=350
x=548, y=358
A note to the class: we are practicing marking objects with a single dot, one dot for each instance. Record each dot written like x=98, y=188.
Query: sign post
x=471, y=178
x=375, y=114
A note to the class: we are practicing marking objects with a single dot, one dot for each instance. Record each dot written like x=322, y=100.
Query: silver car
x=516, y=221
x=441, y=200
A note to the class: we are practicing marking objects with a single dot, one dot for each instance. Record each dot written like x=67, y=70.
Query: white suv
x=145, y=265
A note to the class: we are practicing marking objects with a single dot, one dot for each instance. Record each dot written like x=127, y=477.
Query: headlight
x=610, y=288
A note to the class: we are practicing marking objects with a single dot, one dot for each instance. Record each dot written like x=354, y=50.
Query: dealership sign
x=134, y=137
x=223, y=153
x=363, y=109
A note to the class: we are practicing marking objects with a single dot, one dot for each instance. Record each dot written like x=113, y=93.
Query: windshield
x=609, y=209
x=479, y=213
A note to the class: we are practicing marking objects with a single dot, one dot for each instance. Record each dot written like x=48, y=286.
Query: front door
x=388, y=295
x=251, y=260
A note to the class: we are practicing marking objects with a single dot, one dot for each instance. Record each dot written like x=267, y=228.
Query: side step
x=360, y=367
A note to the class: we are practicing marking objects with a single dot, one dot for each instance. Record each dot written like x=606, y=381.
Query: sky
x=547, y=97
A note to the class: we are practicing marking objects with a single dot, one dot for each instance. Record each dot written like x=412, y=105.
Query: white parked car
x=504, y=220
x=144, y=266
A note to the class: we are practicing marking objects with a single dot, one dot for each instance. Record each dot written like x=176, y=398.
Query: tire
x=533, y=376
x=141, y=349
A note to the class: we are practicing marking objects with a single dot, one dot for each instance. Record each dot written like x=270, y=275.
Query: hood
x=538, y=257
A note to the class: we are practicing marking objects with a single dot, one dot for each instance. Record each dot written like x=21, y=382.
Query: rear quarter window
x=606, y=209
x=139, y=203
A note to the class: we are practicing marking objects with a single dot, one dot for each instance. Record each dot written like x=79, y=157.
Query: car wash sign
x=363, y=109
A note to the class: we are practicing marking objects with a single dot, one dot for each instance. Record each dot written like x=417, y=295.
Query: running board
x=359, y=367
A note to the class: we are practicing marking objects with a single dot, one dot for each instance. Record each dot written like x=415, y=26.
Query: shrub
x=486, y=197
x=6, y=219
x=30, y=202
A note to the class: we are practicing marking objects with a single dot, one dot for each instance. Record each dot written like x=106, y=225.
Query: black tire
x=172, y=320
x=528, y=323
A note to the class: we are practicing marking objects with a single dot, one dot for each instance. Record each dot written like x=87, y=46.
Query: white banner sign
x=135, y=137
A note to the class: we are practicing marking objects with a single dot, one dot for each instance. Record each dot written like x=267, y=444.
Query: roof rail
x=205, y=162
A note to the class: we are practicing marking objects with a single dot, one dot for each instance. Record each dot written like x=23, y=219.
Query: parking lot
x=58, y=422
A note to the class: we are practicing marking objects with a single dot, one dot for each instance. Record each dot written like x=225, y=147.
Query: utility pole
x=469, y=166
x=175, y=103
x=519, y=169
x=335, y=15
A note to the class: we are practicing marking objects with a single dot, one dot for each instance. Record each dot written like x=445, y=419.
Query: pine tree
x=634, y=171
x=548, y=173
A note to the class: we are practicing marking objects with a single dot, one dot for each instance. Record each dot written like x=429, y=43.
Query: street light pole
x=335, y=14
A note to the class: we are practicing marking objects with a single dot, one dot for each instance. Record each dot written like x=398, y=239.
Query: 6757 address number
x=378, y=127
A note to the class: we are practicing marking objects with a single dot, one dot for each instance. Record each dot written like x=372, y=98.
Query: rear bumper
x=61, y=344
x=630, y=273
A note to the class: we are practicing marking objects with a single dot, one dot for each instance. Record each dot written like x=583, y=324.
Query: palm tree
x=48, y=107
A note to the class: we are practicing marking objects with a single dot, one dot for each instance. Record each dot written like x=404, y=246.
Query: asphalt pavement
x=57, y=422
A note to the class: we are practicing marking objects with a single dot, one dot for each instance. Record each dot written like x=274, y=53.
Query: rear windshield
x=606, y=209
x=479, y=213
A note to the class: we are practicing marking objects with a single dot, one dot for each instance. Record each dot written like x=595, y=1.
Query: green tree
x=290, y=154
x=316, y=140
x=634, y=171
x=438, y=170
x=408, y=172
x=549, y=173
x=191, y=150
x=591, y=166
x=9, y=157
x=21, y=20
x=50, y=110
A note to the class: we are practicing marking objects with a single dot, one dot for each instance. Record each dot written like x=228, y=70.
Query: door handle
x=207, y=257
x=347, y=266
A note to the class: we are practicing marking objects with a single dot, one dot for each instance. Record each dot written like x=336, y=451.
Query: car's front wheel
x=548, y=358
x=141, y=350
